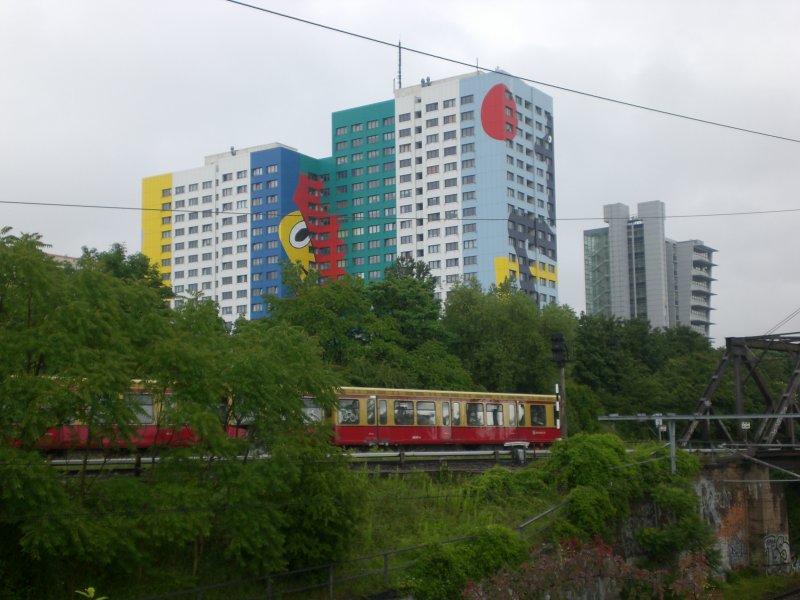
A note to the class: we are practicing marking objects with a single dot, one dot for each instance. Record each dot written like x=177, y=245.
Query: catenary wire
x=526, y=79
x=395, y=218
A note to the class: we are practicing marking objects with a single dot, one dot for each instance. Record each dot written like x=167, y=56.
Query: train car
x=149, y=431
x=425, y=418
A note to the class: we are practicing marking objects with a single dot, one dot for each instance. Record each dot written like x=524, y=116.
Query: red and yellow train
x=363, y=417
x=420, y=418
x=149, y=431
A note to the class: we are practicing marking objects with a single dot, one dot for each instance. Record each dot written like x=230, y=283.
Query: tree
x=405, y=299
x=117, y=262
x=499, y=337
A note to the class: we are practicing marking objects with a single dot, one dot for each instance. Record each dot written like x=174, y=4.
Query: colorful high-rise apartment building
x=458, y=173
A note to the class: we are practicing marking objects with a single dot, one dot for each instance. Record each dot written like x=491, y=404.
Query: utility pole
x=560, y=357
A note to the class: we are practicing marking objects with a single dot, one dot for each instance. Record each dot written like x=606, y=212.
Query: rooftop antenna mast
x=399, y=65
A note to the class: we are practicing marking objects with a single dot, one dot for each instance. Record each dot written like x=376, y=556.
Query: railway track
x=467, y=461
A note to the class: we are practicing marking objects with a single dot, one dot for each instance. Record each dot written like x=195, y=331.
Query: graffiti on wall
x=776, y=549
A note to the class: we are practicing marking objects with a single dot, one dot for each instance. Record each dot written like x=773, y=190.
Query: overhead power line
x=351, y=218
x=527, y=79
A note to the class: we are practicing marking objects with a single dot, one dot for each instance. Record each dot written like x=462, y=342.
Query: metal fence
x=326, y=579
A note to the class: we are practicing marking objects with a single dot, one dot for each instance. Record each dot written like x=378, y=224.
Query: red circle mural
x=499, y=113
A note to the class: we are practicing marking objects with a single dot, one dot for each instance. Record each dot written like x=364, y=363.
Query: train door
x=371, y=430
x=445, y=432
x=383, y=419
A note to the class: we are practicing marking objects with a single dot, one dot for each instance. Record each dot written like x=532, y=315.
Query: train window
x=143, y=407
x=446, y=414
x=348, y=411
x=521, y=415
x=426, y=413
x=382, y=412
x=538, y=416
x=371, y=410
x=474, y=414
x=456, y=414
x=403, y=412
x=494, y=415
x=512, y=415
x=311, y=412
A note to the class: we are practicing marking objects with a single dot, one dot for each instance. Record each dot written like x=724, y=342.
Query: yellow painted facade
x=157, y=233
x=503, y=266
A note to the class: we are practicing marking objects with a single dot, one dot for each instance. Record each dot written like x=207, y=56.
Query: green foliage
x=492, y=548
x=71, y=342
x=596, y=461
x=495, y=485
x=90, y=593
x=591, y=511
x=439, y=574
x=502, y=338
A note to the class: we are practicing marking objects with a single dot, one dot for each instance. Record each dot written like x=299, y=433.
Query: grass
x=751, y=586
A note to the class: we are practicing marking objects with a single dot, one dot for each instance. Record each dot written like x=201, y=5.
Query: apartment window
x=432, y=122
x=430, y=107
x=449, y=135
x=470, y=228
x=451, y=150
x=451, y=262
x=467, y=99
x=450, y=103
x=449, y=119
x=404, y=117
x=470, y=147
x=467, y=131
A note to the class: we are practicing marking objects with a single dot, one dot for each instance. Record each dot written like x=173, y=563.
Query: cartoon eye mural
x=296, y=238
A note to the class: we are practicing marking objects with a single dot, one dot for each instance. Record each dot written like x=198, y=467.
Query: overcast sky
x=95, y=95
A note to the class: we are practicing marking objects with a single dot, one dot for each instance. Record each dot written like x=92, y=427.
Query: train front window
x=475, y=414
x=494, y=415
x=426, y=413
x=403, y=412
x=538, y=416
x=348, y=411
x=311, y=412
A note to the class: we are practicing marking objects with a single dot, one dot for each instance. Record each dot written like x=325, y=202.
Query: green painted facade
x=362, y=186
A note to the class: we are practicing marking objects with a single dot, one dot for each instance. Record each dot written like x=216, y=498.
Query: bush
x=492, y=548
x=438, y=574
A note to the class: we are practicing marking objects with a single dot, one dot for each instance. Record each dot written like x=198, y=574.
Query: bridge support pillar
x=748, y=513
